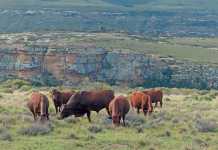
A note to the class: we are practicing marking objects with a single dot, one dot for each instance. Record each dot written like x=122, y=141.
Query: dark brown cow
x=86, y=101
x=38, y=105
x=119, y=107
x=156, y=96
x=139, y=100
x=60, y=98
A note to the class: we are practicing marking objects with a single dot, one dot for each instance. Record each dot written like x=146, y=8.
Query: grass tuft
x=37, y=129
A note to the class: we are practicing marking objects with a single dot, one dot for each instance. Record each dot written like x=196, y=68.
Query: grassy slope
x=173, y=127
x=199, y=50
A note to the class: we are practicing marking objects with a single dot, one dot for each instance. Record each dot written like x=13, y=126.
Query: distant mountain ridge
x=122, y=5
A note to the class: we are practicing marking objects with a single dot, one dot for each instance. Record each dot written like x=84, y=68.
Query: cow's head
x=55, y=94
x=66, y=111
x=116, y=120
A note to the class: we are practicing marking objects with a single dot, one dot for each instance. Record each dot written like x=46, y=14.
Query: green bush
x=15, y=84
x=5, y=135
x=95, y=129
x=37, y=129
x=206, y=125
x=45, y=79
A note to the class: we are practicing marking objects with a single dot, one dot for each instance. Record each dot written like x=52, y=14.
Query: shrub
x=72, y=136
x=26, y=88
x=135, y=120
x=165, y=134
x=201, y=143
x=206, y=125
x=95, y=129
x=139, y=129
x=5, y=90
x=90, y=137
x=37, y=129
x=142, y=143
x=71, y=120
x=15, y=84
x=45, y=79
x=4, y=135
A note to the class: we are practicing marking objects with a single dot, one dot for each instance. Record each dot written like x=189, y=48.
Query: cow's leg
x=138, y=110
x=56, y=109
x=161, y=103
x=124, y=124
x=47, y=114
x=34, y=116
x=155, y=103
x=108, y=112
x=89, y=115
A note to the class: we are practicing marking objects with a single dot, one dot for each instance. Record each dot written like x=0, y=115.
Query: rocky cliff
x=114, y=67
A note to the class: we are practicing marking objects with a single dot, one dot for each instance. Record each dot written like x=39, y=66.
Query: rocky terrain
x=72, y=64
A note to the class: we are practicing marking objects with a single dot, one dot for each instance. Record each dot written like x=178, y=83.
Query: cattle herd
x=83, y=102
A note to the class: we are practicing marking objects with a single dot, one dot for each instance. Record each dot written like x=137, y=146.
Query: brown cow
x=38, y=105
x=139, y=100
x=119, y=107
x=86, y=101
x=60, y=98
x=156, y=96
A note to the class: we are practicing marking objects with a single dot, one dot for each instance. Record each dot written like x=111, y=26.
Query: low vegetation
x=184, y=122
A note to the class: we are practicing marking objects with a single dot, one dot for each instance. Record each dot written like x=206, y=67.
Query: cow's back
x=155, y=94
x=136, y=99
x=66, y=96
x=97, y=99
x=34, y=102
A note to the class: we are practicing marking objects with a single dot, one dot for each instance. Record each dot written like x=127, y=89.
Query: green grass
x=181, y=124
x=198, y=50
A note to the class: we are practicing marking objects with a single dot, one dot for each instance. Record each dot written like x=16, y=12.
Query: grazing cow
x=86, y=101
x=38, y=105
x=139, y=100
x=156, y=96
x=119, y=107
x=60, y=98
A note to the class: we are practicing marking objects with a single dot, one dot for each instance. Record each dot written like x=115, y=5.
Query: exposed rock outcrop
x=114, y=67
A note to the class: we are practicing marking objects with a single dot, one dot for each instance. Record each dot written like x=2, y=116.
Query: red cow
x=156, y=96
x=118, y=108
x=60, y=98
x=86, y=101
x=139, y=100
x=38, y=105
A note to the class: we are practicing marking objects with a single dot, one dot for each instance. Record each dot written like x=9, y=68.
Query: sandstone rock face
x=114, y=67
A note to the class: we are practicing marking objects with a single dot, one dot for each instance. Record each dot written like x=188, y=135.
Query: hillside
x=114, y=58
x=145, y=17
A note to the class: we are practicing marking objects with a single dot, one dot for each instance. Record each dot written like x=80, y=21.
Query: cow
x=139, y=100
x=38, y=105
x=118, y=108
x=60, y=98
x=156, y=96
x=84, y=102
